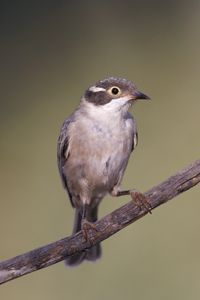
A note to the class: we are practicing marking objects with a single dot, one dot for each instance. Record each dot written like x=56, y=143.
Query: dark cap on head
x=112, y=88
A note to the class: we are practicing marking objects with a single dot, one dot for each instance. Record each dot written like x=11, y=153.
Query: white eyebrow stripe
x=96, y=89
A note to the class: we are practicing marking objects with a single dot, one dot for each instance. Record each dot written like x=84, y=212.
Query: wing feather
x=63, y=152
x=133, y=130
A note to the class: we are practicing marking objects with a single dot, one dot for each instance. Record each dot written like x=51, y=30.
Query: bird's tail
x=91, y=254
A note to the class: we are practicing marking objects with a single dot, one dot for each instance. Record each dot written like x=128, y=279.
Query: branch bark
x=55, y=252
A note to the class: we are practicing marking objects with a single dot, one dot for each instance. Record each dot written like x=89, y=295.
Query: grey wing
x=135, y=140
x=63, y=153
x=134, y=132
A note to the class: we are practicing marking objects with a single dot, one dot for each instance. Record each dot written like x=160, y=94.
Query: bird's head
x=113, y=94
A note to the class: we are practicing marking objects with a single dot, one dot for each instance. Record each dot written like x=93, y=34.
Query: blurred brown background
x=50, y=52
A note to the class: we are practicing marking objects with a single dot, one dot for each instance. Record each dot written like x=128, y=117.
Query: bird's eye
x=114, y=90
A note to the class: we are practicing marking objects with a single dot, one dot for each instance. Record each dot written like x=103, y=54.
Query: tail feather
x=91, y=254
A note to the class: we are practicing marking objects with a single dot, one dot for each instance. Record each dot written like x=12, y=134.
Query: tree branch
x=50, y=254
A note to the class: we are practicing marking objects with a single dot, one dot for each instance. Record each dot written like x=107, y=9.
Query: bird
x=93, y=150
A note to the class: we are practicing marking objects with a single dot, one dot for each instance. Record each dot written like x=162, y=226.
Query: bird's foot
x=141, y=200
x=86, y=226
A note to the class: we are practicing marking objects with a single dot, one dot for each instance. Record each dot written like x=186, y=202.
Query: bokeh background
x=50, y=52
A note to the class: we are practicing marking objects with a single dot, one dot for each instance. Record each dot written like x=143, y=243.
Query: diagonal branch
x=50, y=254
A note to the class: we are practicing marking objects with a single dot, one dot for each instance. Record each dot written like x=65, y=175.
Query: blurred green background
x=51, y=51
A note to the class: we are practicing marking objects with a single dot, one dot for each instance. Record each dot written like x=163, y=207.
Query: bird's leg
x=86, y=225
x=139, y=198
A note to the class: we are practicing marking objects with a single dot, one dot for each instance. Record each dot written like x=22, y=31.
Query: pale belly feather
x=98, y=160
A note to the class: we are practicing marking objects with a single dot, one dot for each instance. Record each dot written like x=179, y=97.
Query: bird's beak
x=139, y=95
